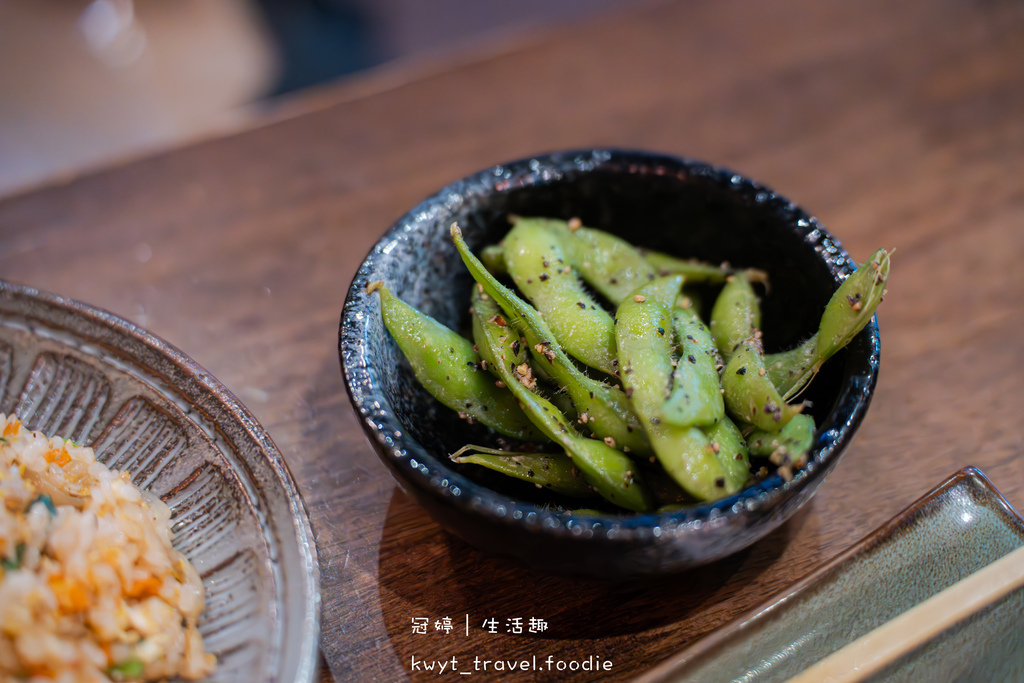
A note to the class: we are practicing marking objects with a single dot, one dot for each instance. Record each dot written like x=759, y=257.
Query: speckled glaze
x=72, y=370
x=950, y=533
x=681, y=206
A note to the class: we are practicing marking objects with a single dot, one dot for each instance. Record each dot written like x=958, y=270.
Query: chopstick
x=878, y=648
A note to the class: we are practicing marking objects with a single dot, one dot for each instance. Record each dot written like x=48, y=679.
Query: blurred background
x=89, y=83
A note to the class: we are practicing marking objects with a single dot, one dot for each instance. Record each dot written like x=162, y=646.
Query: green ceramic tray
x=953, y=531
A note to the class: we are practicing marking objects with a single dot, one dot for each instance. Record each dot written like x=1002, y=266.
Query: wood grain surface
x=897, y=124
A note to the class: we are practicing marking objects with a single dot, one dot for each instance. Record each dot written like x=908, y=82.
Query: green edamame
x=786, y=446
x=538, y=265
x=609, y=471
x=845, y=315
x=553, y=471
x=449, y=369
x=493, y=257
x=557, y=396
x=645, y=340
x=696, y=398
x=609, y=264
x=613, y=266
x=699, y=271
x=735, y=315
x=731, y=448
x=749, y=395
x=691, y=269
x=603, y=409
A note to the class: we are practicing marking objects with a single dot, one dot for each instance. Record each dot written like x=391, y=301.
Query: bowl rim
x=433, y=477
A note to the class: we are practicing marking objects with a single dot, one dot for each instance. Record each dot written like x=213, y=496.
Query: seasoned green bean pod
x=535, y=259
x=612, y=265
x=554, y=471
x=609, y=264
x=645, y=341
x=608, y=470
x=846, y=314
x=787, y=449
x=696, y=398
x=691, y=269
x=699, y=271
x=556, y=395
x=736, y=314
x=749, y=395
x=449, y=369
x=603, y=409
x=493, y=257
x=792, y=442
x=731, y=448
x=790, y=371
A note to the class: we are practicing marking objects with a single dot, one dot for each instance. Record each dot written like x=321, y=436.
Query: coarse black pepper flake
x=741, y=371
x=544, y=277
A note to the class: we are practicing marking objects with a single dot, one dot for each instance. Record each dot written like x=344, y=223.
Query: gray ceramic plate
x=953, y=531
x=82, y=373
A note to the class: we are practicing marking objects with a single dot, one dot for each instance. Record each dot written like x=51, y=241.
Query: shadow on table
x=429, y=578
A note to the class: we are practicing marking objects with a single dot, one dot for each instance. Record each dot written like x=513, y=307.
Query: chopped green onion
x=129, y=668
x=19, y=556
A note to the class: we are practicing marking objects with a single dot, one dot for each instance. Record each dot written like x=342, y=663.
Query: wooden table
x=898, y=124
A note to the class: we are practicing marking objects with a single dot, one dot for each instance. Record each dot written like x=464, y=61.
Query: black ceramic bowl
x=680, y=206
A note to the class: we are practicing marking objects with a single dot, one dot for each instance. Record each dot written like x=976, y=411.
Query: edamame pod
x=613, y=266
x=558, y=396
x=603, y=409
x=553, y=471
x=691, y=269
x=790, y=370
x=493, y=257
x=790, y=444
x=735, y=315
x=449, y=369
x=696, y=398
x=845, y=315
x=535, y=259
x=644, y=338
x=609, y=471
x=731, y=448
x=749, y=395
x=608, y=263
x=699, y=271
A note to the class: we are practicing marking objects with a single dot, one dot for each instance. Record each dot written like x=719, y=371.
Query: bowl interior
x=682, y=207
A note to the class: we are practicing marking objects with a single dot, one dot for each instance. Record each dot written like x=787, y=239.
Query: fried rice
x=90, y=587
